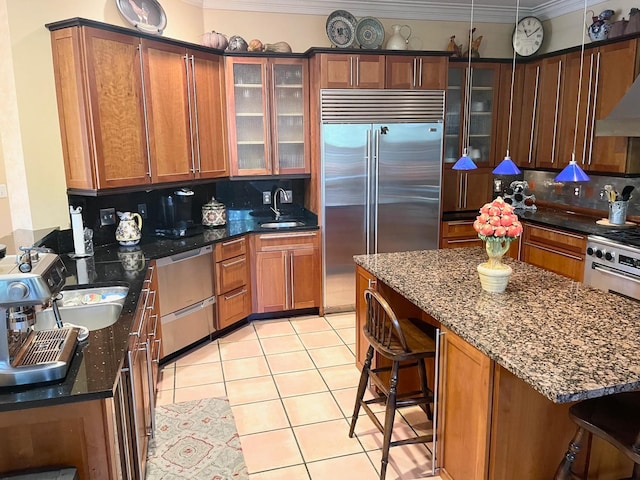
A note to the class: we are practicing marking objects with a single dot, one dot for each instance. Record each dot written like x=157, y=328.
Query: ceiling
x=500, y=11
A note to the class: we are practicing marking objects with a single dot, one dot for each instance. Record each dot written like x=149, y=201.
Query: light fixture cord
x=467, y=108
x=513, y=73
x=575, y=129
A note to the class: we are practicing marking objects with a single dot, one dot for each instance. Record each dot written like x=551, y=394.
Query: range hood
x=624, y=119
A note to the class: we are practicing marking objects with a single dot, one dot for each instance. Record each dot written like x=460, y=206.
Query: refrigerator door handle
x=376, y=193
x=367, y=209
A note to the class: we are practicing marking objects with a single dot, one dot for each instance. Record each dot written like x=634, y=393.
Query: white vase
x=494, y=280
x=398, y=41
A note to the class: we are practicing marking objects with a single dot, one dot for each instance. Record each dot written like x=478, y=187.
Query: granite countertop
x=566, y=340
x=96, y=365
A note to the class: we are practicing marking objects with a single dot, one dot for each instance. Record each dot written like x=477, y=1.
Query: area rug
x=196, y=439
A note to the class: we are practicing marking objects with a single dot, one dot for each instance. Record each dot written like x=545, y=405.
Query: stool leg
x=424, y=386
x=364, y=378
x=564, y=469
x=636, y=472
x=389, y=417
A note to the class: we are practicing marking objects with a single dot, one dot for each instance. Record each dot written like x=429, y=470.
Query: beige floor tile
x=289, y=362
x=320, y=441
x=341, y=320
x=310, y=324
x=245, y=368
x=297, y=472
x=269, y=450
x=273, y=328
x=212, y=390
x=205, y=354
x=371, y=437
x=346, y=399
x=348, y=335
x=260, y=417
x=251, y=390
x=342, y=376
x=244, y=333
x=164, y=397
x=299, y=383
x=201, y=374
x=321, y=339
x=332, y=356
x=406, y=462
x=235, y=350
x=166, y=377
x=286, y=343
x=349, y=467
x=312, y=408
x=417, y=418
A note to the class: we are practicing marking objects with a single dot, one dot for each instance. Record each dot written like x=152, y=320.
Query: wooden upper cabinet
x=416, y=73
x=506, y=104
x=98, y=77
x=525, y=114
x=548, y=115
x=466, y=189
x=339, y=70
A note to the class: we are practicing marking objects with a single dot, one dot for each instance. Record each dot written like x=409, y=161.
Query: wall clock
x=146, y=15
x=528, y=36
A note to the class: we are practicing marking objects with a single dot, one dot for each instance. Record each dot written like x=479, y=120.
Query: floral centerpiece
x=497, y=225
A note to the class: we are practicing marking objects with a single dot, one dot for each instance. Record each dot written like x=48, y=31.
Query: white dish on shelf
x=341, y=28
x=369, y=33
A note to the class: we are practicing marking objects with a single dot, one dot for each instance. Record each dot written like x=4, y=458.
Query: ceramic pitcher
x=398, y=41
x=129, y=229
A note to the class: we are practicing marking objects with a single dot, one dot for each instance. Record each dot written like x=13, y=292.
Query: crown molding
x=402, y=9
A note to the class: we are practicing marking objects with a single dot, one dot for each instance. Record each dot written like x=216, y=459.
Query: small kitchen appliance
x=176, y=215
x=27, y=281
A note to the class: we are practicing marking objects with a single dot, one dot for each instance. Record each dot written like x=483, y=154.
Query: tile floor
x=291, y=383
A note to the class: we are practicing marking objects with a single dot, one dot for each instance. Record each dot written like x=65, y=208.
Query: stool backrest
x=382, y=326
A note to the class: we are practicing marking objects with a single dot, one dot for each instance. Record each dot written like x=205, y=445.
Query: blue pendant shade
x=464, y=162
x=572, y=173
x=506, y=167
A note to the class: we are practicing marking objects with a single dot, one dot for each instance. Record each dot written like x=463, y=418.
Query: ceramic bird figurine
x=454, y=47
x=474, y=45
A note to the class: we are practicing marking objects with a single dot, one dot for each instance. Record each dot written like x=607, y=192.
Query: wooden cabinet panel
x=555, y=250
x=233, y=306
x=549, y=111
x=559, y=239
x=231, y=274
x=271, y=289
x=466, y=385
x=304, y=278
x=230, y=248
x=466, y=190
x=351, y=71
x=526, y=111
x=409, y=72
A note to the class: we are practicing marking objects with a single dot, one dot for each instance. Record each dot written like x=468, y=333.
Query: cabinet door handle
x=159, y=342
x=123, y=425
x=229, y=297
x=420, y=74
x=134, y=399
x=351, y=71
x=534, y=114
x=587, y=115
x=186, y=72
x=415, y=69
x=371, y=282
x=153, y=303
x=461, y=189
x=195, y=114
x=595, y=104
x=138, y=333
x=291, y=277
x=555, y=117
x=357, y=71
x=155, y=325
x=231, y=264
x=267, y=116
x=232, y=242
x=376, y=191
x=550, y=250
x=152, y=401
x=144, y=111
x=367, y=210
x=287, y=281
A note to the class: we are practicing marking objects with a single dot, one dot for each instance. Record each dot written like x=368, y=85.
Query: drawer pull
x=287, y=235
x=224, y=244
x=229, y=297
x=230, y=264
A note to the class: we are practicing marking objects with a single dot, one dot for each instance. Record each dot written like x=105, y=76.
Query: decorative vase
x=494, y=275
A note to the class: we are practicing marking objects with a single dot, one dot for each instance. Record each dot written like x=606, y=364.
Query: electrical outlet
x=107, y=216
x=289, y=197
x=577, y=191
x=266, y=198
x=142, y=210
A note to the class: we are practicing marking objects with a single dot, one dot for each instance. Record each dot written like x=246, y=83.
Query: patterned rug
x=196, y=439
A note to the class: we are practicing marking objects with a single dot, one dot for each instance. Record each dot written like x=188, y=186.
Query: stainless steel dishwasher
x=187, y=298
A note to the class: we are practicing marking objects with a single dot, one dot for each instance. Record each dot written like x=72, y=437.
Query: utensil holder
x=618, y=212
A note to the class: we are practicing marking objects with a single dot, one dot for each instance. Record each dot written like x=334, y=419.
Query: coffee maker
x=176, y=215
x=30, y=280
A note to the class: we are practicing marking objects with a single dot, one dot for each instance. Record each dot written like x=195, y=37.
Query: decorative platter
x=146, y=15
x=369, y=33
x=341, y=28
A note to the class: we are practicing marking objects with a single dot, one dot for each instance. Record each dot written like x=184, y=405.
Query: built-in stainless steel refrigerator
x=381, y=174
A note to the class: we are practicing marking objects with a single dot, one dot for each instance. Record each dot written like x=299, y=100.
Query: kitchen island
x=512, y=363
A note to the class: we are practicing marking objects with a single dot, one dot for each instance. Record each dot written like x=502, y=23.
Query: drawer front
x=566, y=241
x=233, y=306
x=188, y=325
x=280, y=241
x=231, y=248
x=460, y=242
x=564, y=264
x=231, y=274
x=458, y=228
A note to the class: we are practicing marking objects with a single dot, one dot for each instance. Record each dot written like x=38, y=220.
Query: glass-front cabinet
x=480, y=109
x=268, y=115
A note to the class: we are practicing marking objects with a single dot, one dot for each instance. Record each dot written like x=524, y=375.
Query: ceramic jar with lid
x=214, y=214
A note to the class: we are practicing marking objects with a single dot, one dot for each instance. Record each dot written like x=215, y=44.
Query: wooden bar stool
x=399, y=340
x=613, y=418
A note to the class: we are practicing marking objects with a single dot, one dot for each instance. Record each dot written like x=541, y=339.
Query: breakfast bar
x=512, y=364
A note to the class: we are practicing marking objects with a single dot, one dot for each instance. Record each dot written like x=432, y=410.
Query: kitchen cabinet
x=505, y=104
x=233, y=286
x=460, y=233
x=525, y=114
x=343, y=70
x=548, y=114
x=466, y=190
x=154, y=327
x=286, y=271
x=268, y=115
x=481, y=108
x=364, y=280
x=416, y=72
x=553, y=249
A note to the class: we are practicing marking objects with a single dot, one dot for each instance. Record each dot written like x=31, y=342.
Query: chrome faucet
x=274, y=200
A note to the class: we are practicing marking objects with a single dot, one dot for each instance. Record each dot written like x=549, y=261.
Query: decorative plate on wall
x=341, y=28
x=146, y=15
x=369, y=32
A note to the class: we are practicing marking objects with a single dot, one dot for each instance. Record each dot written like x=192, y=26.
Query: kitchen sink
x=287, y=224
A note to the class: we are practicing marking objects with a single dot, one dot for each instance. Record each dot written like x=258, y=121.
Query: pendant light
x=465, y=162
x=506, y=166
x=573, y=172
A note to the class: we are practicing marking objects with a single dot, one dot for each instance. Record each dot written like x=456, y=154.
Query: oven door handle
x=616, y=273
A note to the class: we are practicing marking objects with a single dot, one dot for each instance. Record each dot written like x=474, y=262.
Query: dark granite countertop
x=566, y=340
x=97, y=362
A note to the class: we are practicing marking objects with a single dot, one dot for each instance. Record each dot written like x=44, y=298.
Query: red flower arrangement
x=497, y=222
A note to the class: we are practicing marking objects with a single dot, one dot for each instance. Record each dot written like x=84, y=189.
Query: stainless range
x=613, y=262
